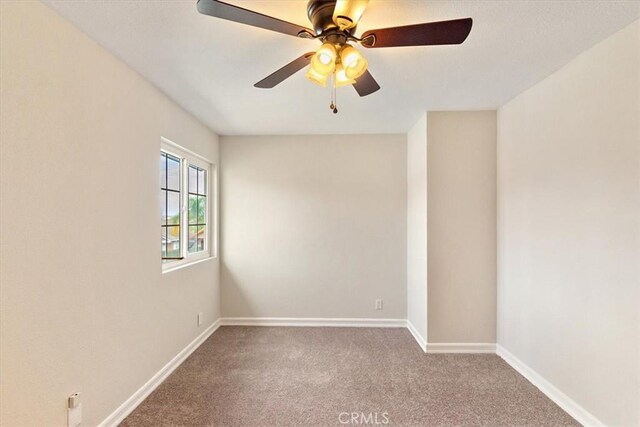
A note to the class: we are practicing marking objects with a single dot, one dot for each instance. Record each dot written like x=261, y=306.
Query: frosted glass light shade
x=354, y=63
x=347, y=13
x=324, y=60
x=341, y=77
x=317, y=78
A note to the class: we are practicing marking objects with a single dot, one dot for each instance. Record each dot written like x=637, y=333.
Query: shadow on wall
x=232, y=295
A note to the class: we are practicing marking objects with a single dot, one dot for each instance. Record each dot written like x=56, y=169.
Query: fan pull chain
x=334, y=99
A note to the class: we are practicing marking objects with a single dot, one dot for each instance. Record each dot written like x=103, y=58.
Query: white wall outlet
x=74, y=410
x=200, y=318
x=378, y=304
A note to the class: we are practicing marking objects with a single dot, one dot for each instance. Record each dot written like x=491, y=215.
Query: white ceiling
x=209, y=65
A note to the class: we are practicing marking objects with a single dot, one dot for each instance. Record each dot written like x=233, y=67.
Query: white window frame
x=188, y=157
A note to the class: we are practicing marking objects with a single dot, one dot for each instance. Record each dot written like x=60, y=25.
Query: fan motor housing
x=320, y=13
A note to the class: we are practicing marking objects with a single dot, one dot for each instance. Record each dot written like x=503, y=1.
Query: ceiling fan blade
x=429, y=33
x=229, y=12
x=347, y=13
x=285, y=72
x=366, y=84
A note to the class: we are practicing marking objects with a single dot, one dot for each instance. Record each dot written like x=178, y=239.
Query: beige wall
x=84, y=304
x=461, y=190
x=569, y=228
x=417, y=226
x=313, y=226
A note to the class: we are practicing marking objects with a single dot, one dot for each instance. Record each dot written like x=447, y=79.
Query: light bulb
x=353, y=61
x=341, y=77
x=324, y=60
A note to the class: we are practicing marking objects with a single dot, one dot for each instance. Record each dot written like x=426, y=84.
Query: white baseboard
x=559, y=398
x=457, y=347
x=301, y=321
x=565, y=402
x=416, y=335
x=131, y=403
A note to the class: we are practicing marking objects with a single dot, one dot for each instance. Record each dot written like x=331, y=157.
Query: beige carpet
x=270, y=376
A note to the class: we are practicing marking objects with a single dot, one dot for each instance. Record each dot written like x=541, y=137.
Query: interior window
x=184, y=201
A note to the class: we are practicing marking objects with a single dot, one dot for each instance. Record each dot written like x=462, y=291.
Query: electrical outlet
x=378, y=304
x=199, y=319
x=74, y=410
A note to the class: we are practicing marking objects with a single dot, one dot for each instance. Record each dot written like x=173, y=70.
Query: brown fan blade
x=366, y=84
x=229, y=12
x=429, y=33
x=285, y=72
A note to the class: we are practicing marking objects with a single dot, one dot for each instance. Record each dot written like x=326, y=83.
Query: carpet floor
x=275, y=376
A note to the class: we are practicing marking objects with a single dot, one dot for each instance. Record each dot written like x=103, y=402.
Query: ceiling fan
x=334, y=24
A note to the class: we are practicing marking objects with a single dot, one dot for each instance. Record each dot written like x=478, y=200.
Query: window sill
x=168, y=268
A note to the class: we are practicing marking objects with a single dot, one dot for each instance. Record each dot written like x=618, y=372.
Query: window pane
x=201, y=236
x=193, y=236
x=202, y=180
x=202, y=210
x=197, y=235
x=173, y=241
x=163, y=170
x=163, y=241
x=193, y=180
x=193, y=209
x=173, y=173
x=163, y=206
x=173, y=207
x=176, y=181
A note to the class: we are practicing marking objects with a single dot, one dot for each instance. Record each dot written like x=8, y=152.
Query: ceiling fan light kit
x=346, y=14
x=341, y=77
x=324, y=60
x=316, y=77
x=345, y=67
x=354, y=63
x=334, y=24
